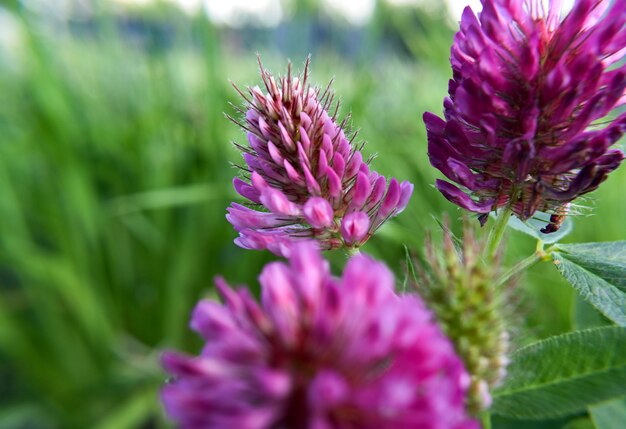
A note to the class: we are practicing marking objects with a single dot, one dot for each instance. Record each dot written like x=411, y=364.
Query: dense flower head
x=529, y=85
x=306, y=173
x=460, y=288
x=319, y=352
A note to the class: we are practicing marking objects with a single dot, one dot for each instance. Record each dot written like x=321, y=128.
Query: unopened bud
x=354, y=227
x=318, y=212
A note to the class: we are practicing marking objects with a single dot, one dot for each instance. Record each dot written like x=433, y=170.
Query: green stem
x=496, y=233
x=518, y=268
x=485, y=420
x=539, y=255
x=352, y=251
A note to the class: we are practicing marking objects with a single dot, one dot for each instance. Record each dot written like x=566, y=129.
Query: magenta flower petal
x=242, y=217
x=354, y=227
x=406, y=191
x=276, y=240
x=527, y=86
x=246, y=191
x=460, y=198
x=391, y=200
x=318, y=352
x=318, y=212
x=362, y=189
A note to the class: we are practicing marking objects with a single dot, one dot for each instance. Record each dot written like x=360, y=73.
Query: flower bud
x=460, y=288
x=354, y=227
x=318, y=212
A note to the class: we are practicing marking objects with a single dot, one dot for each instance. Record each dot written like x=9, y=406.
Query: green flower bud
x=459, y=286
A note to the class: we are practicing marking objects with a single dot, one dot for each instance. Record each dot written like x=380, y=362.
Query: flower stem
x=518, y=268
x=539, y=255
x=496, y=233
x=352, y=251
x=485, y=420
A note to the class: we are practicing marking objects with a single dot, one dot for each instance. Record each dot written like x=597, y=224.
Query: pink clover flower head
x=529, y=85
x=318, y=352
x=304, y=170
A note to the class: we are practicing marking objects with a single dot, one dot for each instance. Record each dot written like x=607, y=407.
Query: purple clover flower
x=528, y=87
x=319, y=352
x=309, y=176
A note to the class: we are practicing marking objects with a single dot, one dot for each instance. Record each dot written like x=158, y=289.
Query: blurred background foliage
x=115, y=172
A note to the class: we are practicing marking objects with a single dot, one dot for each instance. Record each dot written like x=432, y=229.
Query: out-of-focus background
x=115, y=173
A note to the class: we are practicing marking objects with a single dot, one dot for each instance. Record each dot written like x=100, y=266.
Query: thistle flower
x=303, y=169
x=520, y=124
x=319, y=352
x=460, y=289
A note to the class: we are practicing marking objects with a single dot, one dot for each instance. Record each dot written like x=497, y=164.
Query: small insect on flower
x=318, y=352
x=521, y=125
x=556, y=220
x=302, y=168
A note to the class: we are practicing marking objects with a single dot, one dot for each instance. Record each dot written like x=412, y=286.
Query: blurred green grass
x=114, y=178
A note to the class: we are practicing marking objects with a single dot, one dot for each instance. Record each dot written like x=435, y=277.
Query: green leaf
x=598, y=272
x=609, y=415
x=24, y=415
x=168, y=198
x=563, y=375
x=606, y=260
x=499, y=422
x=410, y=273
x=458, y=242
x=579, y=423
x=132, y=412
x=585, y=315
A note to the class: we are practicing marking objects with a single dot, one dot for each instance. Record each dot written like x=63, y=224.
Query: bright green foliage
x=610, y=414
x=114, y=176
x=598, y=272
x=564, y=374
x=606, y=260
